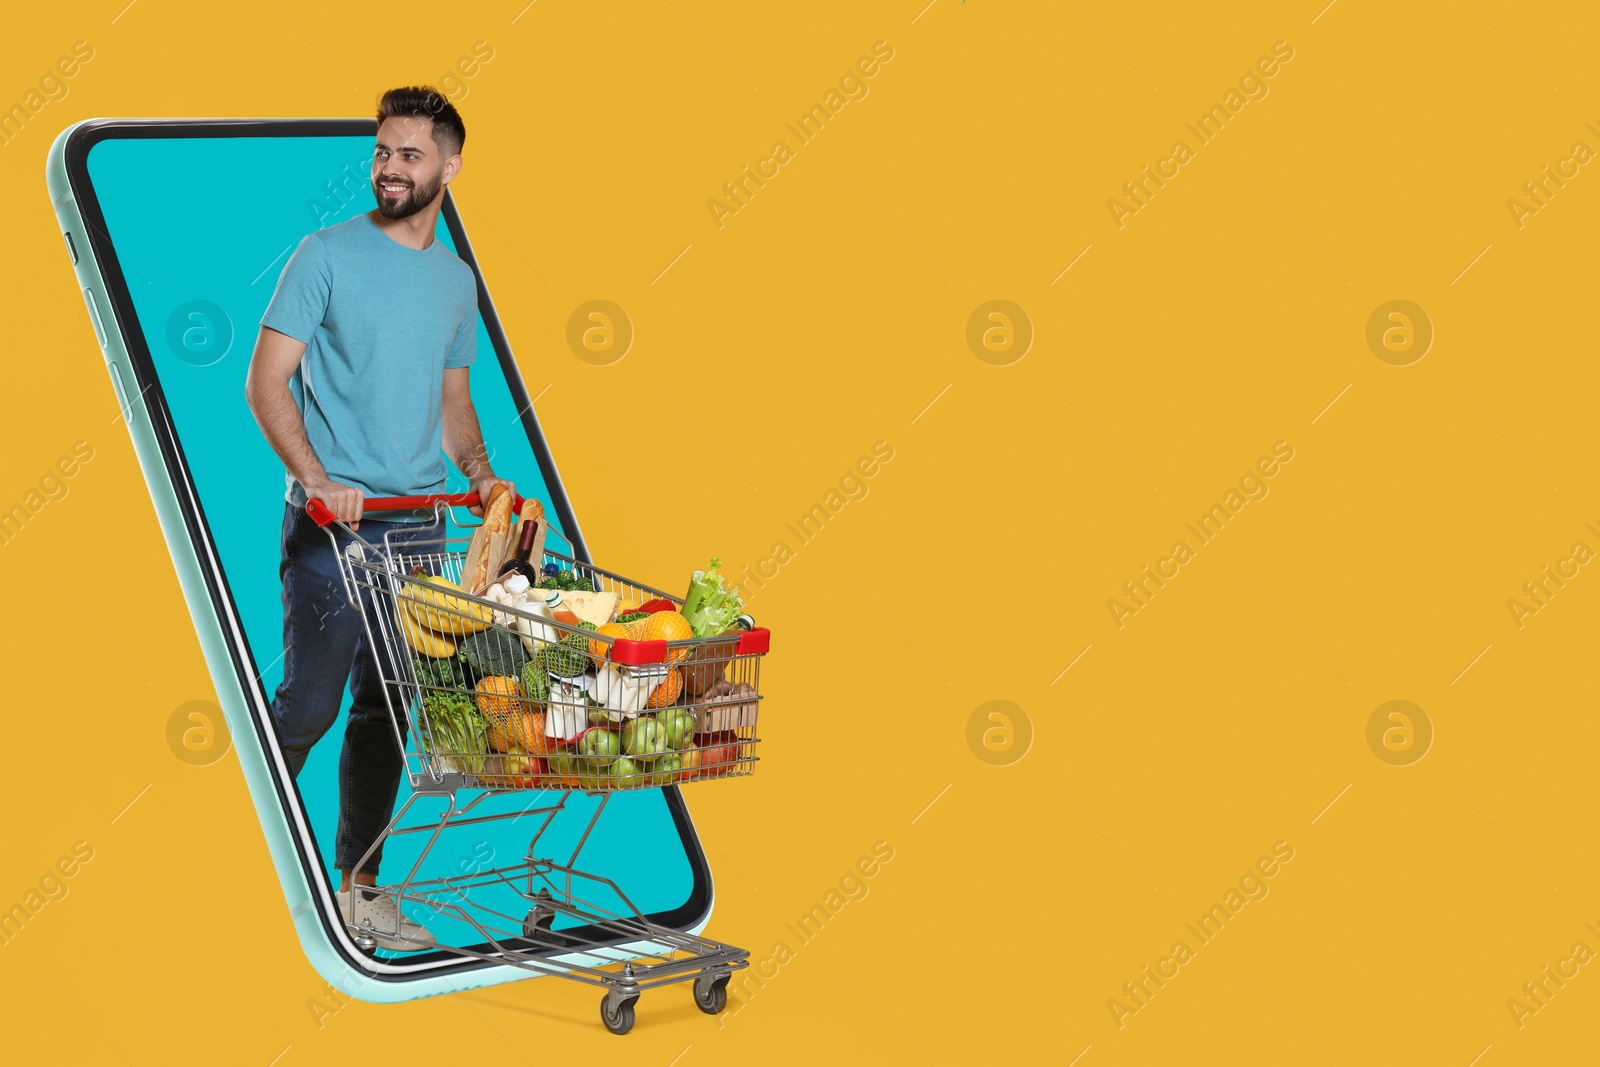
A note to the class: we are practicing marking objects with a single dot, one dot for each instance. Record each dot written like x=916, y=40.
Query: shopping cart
x=565, y=707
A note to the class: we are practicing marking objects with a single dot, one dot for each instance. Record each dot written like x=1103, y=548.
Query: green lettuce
x=452, y=726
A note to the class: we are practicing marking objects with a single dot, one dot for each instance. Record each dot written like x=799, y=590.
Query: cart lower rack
x=492, y=695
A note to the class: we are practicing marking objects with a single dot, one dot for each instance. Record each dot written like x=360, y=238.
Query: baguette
x=500, y=546
x=475, y=572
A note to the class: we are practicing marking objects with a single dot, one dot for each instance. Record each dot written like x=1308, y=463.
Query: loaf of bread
x=490, y=544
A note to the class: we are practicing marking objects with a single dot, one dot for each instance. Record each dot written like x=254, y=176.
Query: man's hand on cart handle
x=345, y=501
x=482, y=487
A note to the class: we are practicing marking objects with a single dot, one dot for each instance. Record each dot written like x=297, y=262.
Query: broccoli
x=493, y=653
x=444, y=673
x=568, y=580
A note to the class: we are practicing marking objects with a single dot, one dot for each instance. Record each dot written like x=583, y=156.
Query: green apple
x=644, y=739
x=627, y=773
x=600, y=746
x=679, y=725
x=666, y=768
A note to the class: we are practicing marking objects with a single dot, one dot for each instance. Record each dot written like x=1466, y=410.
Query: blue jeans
x=324, y=644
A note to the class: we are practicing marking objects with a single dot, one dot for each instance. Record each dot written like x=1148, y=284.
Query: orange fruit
x=668, y=691
x=498, y=698
x=668, y=626
x=600, y=651
x=521, y=732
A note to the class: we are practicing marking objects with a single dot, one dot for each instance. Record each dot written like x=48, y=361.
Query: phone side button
x=118, y=387
x=72, y=249
x=94, y=314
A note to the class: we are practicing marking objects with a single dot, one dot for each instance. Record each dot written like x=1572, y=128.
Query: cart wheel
x=619, y=1021
x=711, y=993
x=541, y=917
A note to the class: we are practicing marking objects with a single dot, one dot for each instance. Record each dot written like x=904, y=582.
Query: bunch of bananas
x=433, y=617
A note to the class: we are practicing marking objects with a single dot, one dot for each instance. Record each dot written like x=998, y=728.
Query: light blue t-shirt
x=381, y=322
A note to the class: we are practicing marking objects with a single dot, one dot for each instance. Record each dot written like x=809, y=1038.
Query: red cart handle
x=322, y=516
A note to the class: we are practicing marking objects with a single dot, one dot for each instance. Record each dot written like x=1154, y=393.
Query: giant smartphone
x=177, y=231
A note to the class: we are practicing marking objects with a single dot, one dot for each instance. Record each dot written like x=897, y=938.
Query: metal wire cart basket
x=502, y=698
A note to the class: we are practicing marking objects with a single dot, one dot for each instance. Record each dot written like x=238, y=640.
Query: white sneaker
x=378, y=916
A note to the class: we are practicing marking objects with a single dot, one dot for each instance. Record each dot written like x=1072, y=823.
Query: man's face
x=407, y=169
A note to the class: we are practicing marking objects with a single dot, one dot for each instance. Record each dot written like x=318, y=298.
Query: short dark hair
x=424, y=101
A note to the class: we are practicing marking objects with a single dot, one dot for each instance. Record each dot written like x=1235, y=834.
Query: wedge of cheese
x=598, y=608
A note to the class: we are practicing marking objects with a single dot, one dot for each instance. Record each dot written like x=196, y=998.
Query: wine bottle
x=520, y=561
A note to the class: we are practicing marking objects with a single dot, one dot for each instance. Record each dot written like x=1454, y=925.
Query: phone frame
x=307, y=889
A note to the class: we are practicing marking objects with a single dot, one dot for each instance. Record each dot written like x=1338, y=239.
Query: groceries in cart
x=535, y=670
x=520, y=668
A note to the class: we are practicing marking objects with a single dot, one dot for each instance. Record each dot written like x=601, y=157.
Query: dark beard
x=415, y=200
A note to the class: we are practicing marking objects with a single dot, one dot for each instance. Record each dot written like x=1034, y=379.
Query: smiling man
x=358, y=379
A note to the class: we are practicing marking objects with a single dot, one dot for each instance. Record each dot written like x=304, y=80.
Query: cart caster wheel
x=711, y=993
x=620, y=1020
x=541, y=917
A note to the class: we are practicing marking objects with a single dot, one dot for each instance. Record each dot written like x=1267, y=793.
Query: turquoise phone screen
x=202, y=227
